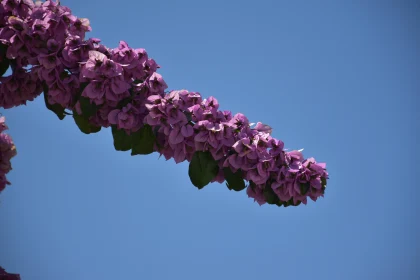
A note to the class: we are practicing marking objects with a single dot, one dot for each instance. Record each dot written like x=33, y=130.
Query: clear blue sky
x=338, y=78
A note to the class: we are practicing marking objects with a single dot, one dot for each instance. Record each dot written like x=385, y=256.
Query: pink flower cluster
x=8, y=276
x=7, y=151
x=186, y=123
x=119, y=87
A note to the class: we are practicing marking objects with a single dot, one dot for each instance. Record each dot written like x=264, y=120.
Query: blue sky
x=338, y=78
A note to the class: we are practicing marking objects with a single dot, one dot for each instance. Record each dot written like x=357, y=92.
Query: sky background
x=338, y=78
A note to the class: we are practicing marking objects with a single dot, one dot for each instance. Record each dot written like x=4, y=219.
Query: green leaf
x=304, y=188
x=124, y=102
x=84, y=124
x=155, y=132
x=122, y=141
x=234, y=180
x=269, y=195
x=4, y=65
x=4, y=61
x=88, y=109
x=288, y=203
x=188, y=115
x=203, y=168
x=56, y=108
x=143, y=141
x=323, y=181
x=3, y=50
x=79, y=93
x=64, y=74
x=156, y=129
x=291, y=203
x=279, y=203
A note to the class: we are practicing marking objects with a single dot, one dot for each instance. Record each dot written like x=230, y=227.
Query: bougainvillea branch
x=8, y=276
x=7, y=151
x=45, y=46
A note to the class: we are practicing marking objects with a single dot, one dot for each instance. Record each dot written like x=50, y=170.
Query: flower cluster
x=186, y=123
x=7, y=151
x=18, y=88
x=46, y=46
x=47, y=50
x=8, y=276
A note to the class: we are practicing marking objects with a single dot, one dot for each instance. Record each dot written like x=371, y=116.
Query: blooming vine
x=45, y=46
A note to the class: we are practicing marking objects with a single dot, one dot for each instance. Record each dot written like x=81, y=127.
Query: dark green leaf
x=234, y=180
x=56, y=108
x=82, y=87
x=304, y=188
x=280, y=203
x=156, y=129
x=88, y=109
x=84, y=124
x=143, y=141
x=188, y=115
x=124, y=102
x=155, y=132
x=291, y=203
x=122, y=141
x=4, y=65
x=269, y=195
x=323, y=181
x=79, y=93
x=203, y=168
x=64, y=74
x=3, y=50
x=288, y=203
x=4, y=61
